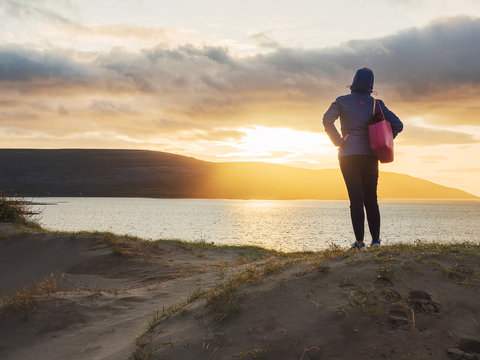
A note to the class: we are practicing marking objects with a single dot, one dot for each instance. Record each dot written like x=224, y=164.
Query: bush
x=13, y=210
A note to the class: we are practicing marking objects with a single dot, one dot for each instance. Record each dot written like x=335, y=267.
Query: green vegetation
x=17, y=211
x=251, y=251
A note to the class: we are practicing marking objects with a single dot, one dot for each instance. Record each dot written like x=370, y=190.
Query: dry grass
x=25, y=300
x=143, y=349
x=256, y=353
x=365, y=300
x=224, y=299
x=386, y=271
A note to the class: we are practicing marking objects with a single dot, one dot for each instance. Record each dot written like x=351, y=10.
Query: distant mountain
x=138, y=173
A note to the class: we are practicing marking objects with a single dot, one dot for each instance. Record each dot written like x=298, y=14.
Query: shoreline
x=282, y=225
x=102, y=296
x=476, y=199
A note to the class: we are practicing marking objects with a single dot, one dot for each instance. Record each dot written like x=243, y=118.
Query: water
x=288, y=225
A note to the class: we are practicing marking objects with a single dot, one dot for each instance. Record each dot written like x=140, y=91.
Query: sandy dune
x=108, y=297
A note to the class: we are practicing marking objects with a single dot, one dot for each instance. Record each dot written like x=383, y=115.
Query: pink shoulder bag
x=381, y=137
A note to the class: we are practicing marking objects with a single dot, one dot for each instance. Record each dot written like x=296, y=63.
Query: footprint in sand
x=466, y=349
x=459, y=272
x=400, y=316
x=383, y=282
x=390, y=295
x=422, y=301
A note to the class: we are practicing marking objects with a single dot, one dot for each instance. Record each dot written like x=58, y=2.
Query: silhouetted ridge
x=140, y=173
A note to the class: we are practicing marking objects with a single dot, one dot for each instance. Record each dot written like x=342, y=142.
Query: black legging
x=360, y=173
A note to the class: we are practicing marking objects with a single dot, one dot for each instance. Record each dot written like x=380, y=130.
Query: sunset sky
x=242, y=80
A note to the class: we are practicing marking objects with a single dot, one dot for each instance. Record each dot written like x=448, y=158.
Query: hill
x=139, y=173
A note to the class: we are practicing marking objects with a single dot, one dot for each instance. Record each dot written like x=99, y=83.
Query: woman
x=358, y=163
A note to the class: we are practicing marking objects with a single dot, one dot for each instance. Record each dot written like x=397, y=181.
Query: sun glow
x=278, y=144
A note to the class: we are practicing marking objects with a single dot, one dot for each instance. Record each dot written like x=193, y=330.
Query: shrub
x=14, y=210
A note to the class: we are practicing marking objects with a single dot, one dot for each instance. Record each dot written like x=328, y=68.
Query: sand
x=100, y=296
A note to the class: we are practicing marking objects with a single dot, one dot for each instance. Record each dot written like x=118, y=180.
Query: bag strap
x=383, y=116
x=374, y=102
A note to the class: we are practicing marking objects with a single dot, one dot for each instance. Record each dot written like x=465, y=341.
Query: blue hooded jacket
x=355, y=110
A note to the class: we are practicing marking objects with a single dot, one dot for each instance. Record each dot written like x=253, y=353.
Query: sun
x=279, y=145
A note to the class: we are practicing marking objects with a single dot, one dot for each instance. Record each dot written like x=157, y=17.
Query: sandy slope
x=104, y=300
x=391, y=303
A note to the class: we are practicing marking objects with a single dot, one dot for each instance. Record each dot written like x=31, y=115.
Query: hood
x=363, y=81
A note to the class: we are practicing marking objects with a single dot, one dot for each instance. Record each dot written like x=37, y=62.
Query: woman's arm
x=397, y=125
x=329, y=118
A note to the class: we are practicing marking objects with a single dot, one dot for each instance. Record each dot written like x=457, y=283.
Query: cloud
x=427, y=136
x=462, y=170
x=431, y=72
x=220, y=135
x=54, y=21
x=432, y=159
x=22, y=65
x=264, y=41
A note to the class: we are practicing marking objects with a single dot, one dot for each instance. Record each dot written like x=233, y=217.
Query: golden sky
x=239, y=81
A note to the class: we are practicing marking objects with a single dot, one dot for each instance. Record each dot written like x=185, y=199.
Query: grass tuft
x=25, y=300
x=17, y=211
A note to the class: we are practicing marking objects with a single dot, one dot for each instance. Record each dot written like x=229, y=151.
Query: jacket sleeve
x=397, y=125
x=329, y=118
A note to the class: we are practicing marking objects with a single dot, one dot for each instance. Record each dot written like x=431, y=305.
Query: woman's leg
x=351, y=167
x=369, y=183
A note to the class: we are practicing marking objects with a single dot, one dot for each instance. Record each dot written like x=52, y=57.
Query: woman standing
x=358, y=163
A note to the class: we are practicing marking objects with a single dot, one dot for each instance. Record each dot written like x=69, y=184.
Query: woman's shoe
x=357, y=246
x=375, y=243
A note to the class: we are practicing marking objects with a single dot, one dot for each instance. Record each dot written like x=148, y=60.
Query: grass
x=459, y=273
x=25, y=300
x=256, y=353
x=223, y=301
x=17, y=211
x=386, y=271
x=250, y=251
x=143, y=349
x=365, y=300
x=125, y=246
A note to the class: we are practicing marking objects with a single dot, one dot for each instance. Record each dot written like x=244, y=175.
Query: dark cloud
x=20, y=65
x=416, y=62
